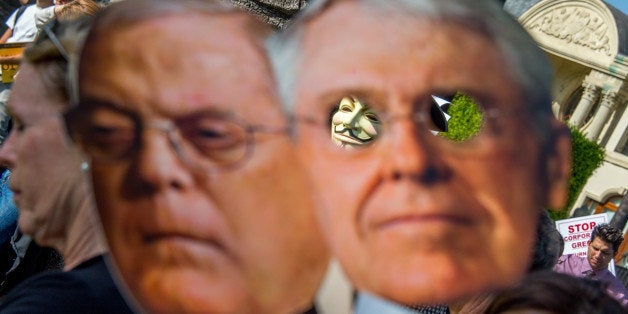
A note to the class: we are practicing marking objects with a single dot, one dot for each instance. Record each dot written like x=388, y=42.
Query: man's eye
x=111, y=141
x=214, y=139
x=210, y=134
x=217, y=135
x=107, y=133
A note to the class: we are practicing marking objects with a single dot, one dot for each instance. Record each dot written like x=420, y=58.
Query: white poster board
x=576, y=233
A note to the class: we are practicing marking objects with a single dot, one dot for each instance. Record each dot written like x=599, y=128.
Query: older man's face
x=411, y=216
x=197, y=220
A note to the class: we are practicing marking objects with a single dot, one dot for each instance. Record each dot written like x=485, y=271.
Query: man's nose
x=159, y=163
x=410, y=155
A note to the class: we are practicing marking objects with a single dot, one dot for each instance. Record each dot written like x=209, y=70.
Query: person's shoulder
x=29, y=13
x=45, y=279
x=93, y=266
x=608, y=276
x=31, y=7
x=9, y=21
x=100, y=288
x=570, y=258
x=89, y=288
x=48, y=291
x=94, y=277
x=571, y=264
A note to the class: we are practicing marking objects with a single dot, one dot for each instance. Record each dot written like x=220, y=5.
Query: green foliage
x=558, y=215
x=466, y=118
x=586, y=157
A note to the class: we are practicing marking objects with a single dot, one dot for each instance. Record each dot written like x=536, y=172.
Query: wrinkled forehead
x=179, y=39
x=600, y=243
x=359, y=49
x=188, y=60
x=32, y=94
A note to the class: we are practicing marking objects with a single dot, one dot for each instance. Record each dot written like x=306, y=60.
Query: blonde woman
x=55, y=200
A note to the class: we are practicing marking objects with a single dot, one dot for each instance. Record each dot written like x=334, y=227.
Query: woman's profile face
x=45, y=166
x=354, y=123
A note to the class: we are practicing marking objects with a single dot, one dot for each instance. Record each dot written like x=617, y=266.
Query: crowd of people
x=182, y=156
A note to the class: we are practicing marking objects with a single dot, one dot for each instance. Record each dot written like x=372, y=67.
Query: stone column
x=607, y=104
x=589, y=95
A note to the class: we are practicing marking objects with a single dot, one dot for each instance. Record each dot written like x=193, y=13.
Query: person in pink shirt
x=605, y=241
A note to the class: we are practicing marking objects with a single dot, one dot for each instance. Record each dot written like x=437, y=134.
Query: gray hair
x=528, y=64
x=122, y=14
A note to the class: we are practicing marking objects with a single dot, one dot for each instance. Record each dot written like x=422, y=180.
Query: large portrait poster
x=10, y=69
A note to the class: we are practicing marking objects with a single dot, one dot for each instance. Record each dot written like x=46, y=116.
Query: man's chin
x=438, y=291
x=434, y=280
x=190, y=291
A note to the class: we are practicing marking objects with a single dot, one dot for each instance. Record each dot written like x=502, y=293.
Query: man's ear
x=558, y=165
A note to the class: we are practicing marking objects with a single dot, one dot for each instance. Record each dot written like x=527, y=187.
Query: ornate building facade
x=587, y=42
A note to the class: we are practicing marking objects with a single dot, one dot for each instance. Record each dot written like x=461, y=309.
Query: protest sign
x=576, y=233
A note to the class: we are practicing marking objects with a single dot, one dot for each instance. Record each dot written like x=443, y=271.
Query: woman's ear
x=558, y=165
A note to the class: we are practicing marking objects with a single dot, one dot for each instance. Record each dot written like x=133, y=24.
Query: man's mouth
x=182, y=239
x=409, y=219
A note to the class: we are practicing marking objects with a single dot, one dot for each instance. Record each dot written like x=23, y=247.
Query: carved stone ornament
x=576, y=25
x=589, y=91
x=608, y=99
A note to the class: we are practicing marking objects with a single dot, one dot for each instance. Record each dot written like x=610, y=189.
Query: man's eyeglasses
x=206, y=141
x=355, y=124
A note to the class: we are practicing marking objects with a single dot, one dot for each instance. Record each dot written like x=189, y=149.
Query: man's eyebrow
x=88, y=103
